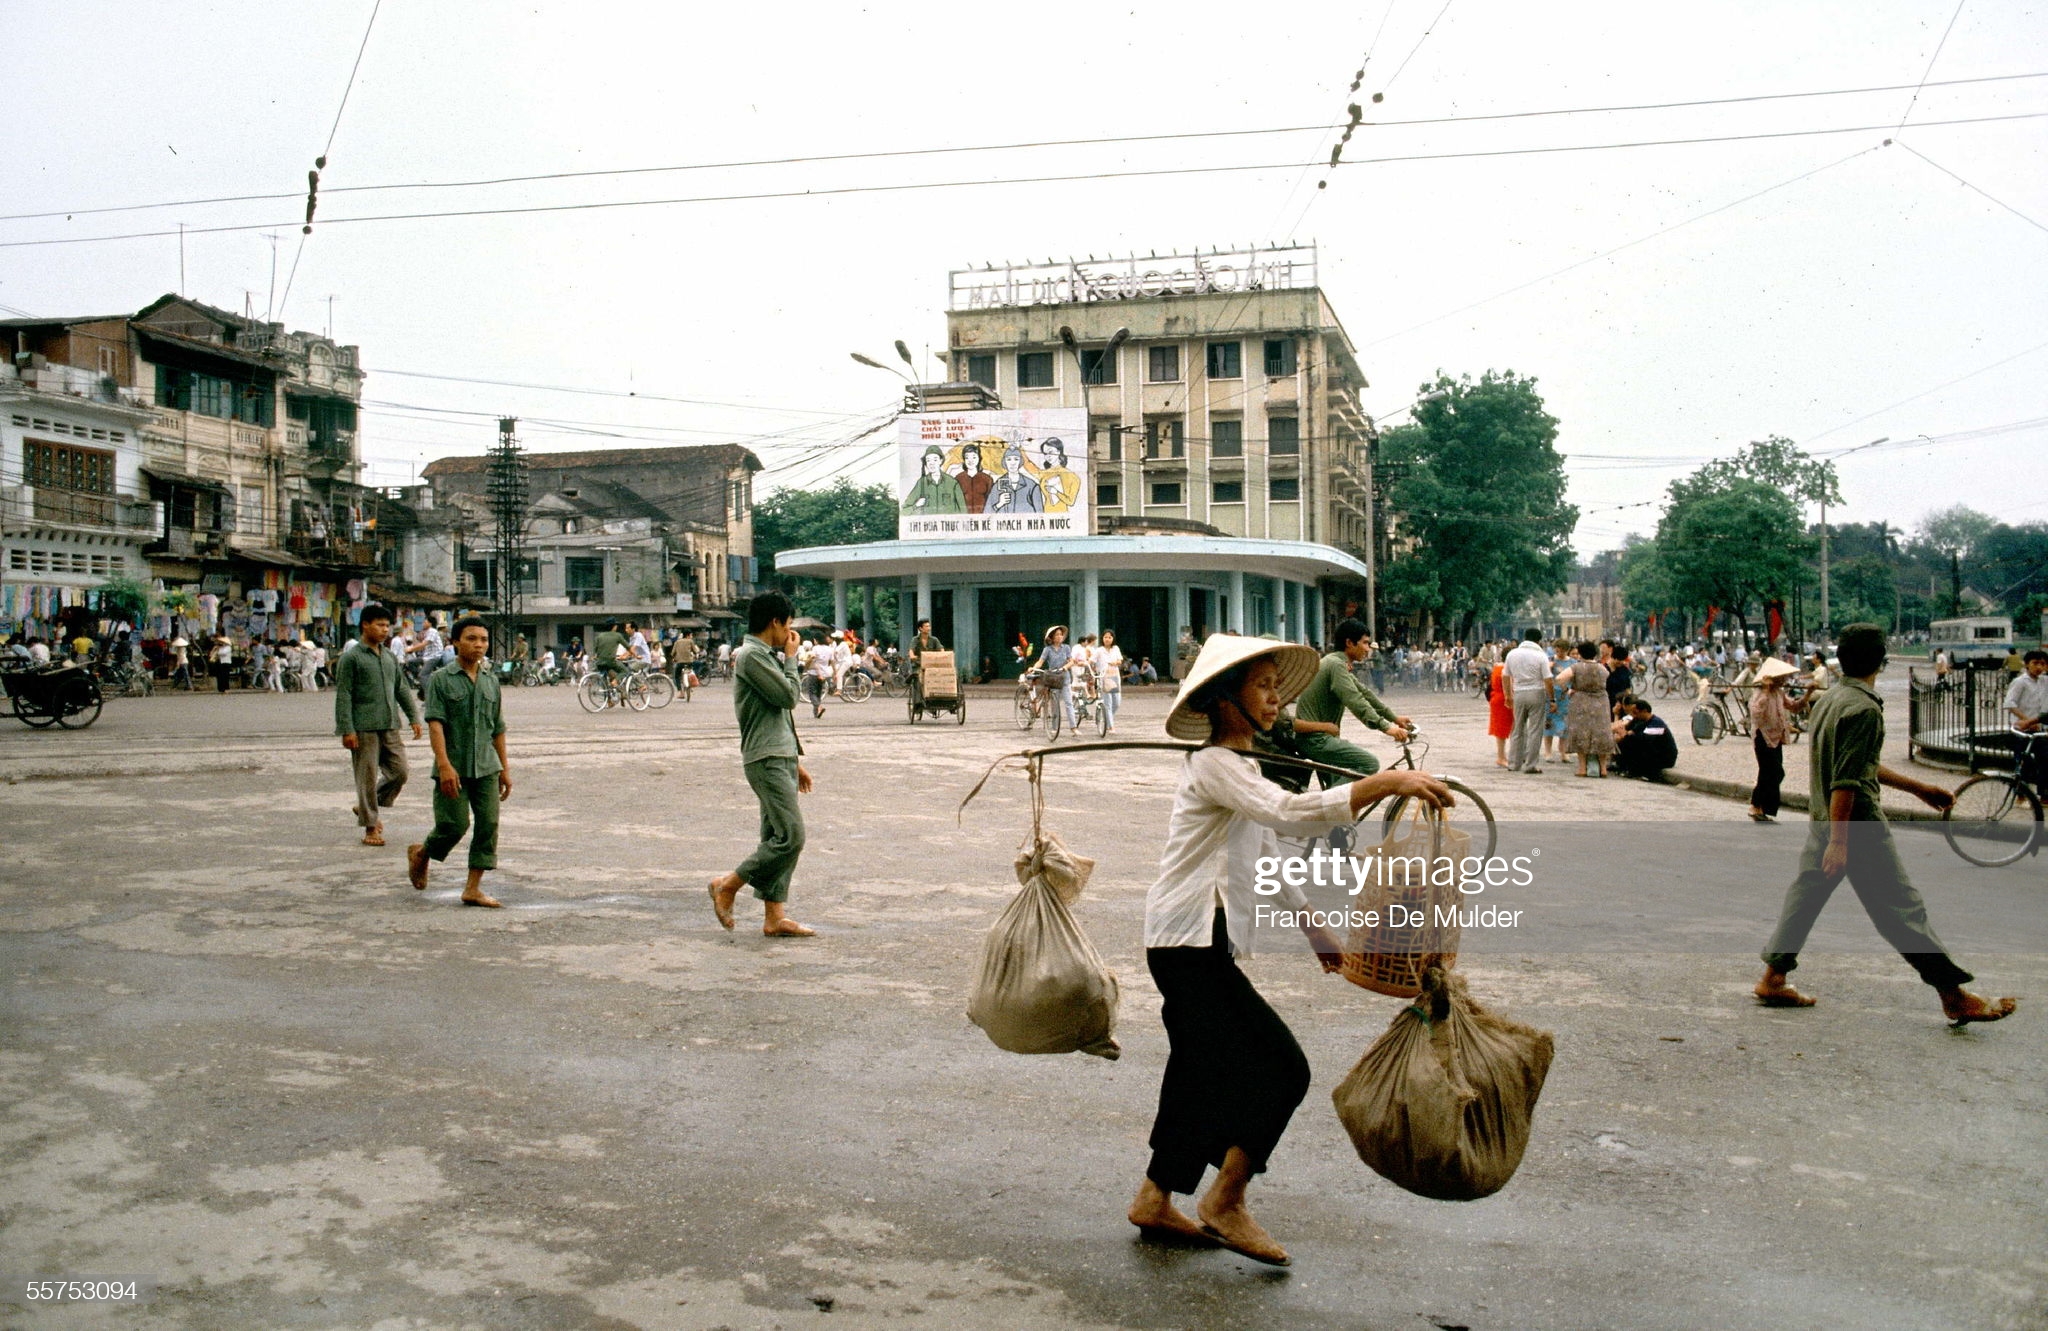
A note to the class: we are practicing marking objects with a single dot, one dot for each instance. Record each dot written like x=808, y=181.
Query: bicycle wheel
x=634, y=694
x=1052, y=718
x=1993, y=821
x=590, y=693
x=661, y=690
x=78, y=704
x=31, y=715
x=1660, y=684
x=857, y=688
x=1025, y=714
x=1467, y=798
x=1101, y=719
x=960, y=709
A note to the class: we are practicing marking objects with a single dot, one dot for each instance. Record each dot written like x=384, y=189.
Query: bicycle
x=1037, y=702
x=602, y=689
x=1340, y=839
x=125, y=678
x=1087, y=707
x=1996, y=816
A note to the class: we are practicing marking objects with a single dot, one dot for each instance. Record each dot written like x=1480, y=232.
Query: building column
x=839, y=603
x=867, y=610
x=1312, y=615
x=1176, y=610
x=1089, y=619
x=924, y=601
x=1236, y=621
x=967, y=628
x=1297, y=616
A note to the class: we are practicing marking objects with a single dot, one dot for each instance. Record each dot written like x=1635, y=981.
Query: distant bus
x=1977, y=638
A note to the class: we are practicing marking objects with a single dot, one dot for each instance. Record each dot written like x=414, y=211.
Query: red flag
x=1712, y=610
x=1777, y=622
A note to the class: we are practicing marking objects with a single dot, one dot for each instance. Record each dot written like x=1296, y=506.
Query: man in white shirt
x=1527, y=674
x=636, y=643
x=2026, y=704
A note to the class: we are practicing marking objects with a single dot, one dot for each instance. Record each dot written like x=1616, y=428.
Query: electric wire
x=767, y=195
x=1021, y=146
x=1915, y=99
x=2037, y=225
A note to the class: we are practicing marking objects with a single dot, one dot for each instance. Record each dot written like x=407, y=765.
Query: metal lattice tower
x=508, y=495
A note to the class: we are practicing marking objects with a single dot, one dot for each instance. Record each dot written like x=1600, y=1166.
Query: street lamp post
x=916, y=388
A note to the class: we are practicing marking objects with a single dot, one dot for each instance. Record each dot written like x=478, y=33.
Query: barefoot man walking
x=371, y=696
x=764, y=694
x=466, y=722
x=1849, y=838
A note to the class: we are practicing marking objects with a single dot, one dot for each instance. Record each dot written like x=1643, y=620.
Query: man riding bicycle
x=2026, y=703
x=1335, y=690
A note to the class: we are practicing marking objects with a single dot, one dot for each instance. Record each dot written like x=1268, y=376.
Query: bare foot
x=416, y=866
x=1774, y=990
x=788, y=929
x=1236, y=1230
x=723, y=889
x=482, y=899
x=1962, y=1007
x=1158, y=1219
x=373, y=836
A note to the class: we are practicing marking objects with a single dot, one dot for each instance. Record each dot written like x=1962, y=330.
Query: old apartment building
x=661, y=536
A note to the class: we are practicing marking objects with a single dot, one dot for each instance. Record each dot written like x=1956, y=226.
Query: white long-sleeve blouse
x=1225, y=816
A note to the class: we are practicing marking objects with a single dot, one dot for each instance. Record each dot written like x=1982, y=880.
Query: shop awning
x=190, y=482
x=720, y=614
x=424, y=597
x=690, y=622
x=259, y=554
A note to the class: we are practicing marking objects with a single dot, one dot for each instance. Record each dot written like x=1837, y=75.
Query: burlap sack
x=1441, y=1103
x=1045, y=853
x=1042, y=988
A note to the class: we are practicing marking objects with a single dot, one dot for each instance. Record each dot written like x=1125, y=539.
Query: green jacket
x=1335, y=691
x=371, y=692
x=1847, y=726
x=472, y=714
x=764, y=694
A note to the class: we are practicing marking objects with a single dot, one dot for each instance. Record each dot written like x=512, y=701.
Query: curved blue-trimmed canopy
x=1297, y=561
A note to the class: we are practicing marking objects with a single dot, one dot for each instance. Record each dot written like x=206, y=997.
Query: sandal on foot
x=1271, y=1258
x=788, y=929
x=372, y=837
x=1786, y=997
x=1173, y=1236
x=1994, y=1009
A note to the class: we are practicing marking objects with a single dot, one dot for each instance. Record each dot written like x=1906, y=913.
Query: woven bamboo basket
x=1387, y=958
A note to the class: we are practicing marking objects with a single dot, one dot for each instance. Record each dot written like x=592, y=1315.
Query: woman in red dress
x=1500, y=717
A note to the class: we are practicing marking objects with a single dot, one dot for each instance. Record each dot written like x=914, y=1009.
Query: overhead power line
x=767, y=195
x=2039, y=226
x=886, y=154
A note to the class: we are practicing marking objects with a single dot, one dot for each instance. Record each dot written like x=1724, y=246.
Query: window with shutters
x=1226, y=439
x=1283, y=435
x=1285, y=488
x=1226, y=360
x=1162, y=365
x=64, y=467
x=1166, y=492
x=1226, y=492
x=1034, y=369
x=1280, y=361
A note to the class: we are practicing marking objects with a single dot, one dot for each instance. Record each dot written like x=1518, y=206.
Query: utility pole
x=507, y=489
x=1825, y=620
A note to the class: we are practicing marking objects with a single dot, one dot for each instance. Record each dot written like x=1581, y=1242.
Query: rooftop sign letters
x=1276, y=268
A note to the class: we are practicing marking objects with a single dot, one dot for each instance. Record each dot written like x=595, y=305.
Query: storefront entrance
x=1138, y=614
x=1009, y=611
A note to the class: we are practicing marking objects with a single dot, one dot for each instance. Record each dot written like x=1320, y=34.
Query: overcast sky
x=1875, y=297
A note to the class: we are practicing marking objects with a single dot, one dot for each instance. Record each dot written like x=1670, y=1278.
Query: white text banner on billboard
x=993, y=473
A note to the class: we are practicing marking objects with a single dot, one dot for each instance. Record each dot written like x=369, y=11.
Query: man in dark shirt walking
x=1849, y=838
x=466, y=721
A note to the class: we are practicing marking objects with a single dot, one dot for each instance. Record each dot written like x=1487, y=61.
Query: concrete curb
x=1736, y=790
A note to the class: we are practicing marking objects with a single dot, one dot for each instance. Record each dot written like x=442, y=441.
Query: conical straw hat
x=1222, y=651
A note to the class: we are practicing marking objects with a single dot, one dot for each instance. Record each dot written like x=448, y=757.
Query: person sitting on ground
x=1644, y=746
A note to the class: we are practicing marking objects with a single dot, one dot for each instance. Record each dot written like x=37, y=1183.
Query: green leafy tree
x=1732, y=545
x=1477, y=490
x=840, y=514
x=126, y=598
x=1955, y=533
x=1776, y=462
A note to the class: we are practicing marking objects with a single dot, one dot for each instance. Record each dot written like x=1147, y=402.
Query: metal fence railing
x=1958, y=718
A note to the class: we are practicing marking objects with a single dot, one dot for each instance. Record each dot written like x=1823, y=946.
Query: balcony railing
x=76, y=508
x=331, y=550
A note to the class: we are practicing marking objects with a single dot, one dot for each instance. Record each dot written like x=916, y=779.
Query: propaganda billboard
x=993, y=473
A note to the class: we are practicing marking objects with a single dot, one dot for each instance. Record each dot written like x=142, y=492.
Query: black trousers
x=1234, y=1074
x=1770, y=775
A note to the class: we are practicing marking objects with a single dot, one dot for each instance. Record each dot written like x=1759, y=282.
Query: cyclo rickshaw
x=65, y=695
x=935, y=688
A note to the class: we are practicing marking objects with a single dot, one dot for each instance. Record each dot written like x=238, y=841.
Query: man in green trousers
x=371, y=696
x=764, y=694
x=466, y=722
x=1849, y=838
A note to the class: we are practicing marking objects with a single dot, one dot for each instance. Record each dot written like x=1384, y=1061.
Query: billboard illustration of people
x=993, y=473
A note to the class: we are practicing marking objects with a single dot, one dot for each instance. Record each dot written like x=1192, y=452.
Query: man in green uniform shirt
x=370, y=696
x=764, y=694
x=466, y=722
x=604, y=651
x=1319, y=711
x=1850, y=838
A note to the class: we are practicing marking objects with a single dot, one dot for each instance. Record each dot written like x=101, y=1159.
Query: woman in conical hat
x=1234, y=1073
